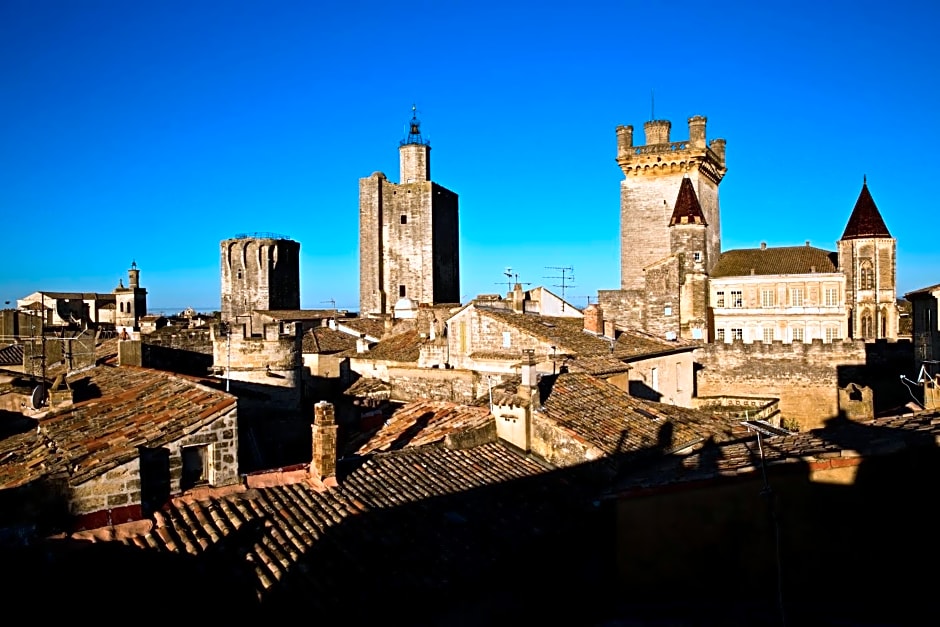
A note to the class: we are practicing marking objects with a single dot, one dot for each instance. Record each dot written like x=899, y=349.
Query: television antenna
x=331, y=301
x=567, y=274
x=512, y=278
x=587, y=296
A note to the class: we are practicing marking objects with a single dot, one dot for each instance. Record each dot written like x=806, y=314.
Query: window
x=831, y=296
x=696, y=256
x=831, y=335
x=737, y=299
x=678, y=377
x=404, y=219
x=654, y=378
x=768, y=335
x=737, y=334
x=719, y=335
x=796, y=297
x=767, y=298
x=667, y=310
x=507, y=339
x=867, y=327
x=798, y=334
x=239, y=274
x=401, y=291
x=720, y=299
x=866, y=280
x=195, y=466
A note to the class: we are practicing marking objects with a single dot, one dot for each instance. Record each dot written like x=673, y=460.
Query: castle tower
x=408, y=234
x=867, y=257
x=688, y=237
x=130, y=301
x=260, y=271
x=653, y=174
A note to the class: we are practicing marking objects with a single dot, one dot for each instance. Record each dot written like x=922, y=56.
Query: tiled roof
x=299, y=314
x=414, y=533
x=924, y=291
x=865, y=220
x=424, y=422
x=372, y=327
x=778, y=260
x=633, y=343
x=11, y=355
x=567, y=334
x=841, y=439
x=616, y=422
x=325, y=340
x=127, y=407
x=401, y=347
x=597, y=365
x=370, y=388
x=688, y=210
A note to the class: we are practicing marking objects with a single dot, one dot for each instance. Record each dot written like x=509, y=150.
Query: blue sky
x=152, y=130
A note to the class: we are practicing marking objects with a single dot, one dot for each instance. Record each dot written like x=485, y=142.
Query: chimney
x=362, y=344
x=594, y=319
x=609, y=329
x=324, y=432
x=518, y=299
x=529, y=373
x=763, y=245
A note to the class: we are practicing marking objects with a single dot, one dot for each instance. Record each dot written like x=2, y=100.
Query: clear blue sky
x=152, y=130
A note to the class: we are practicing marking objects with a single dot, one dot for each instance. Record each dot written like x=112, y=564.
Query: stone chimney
x=763, y=245
x=362, y=344
x=324, y=436
x=518, y=298
x=609, y=329
x=594, y=319
x=657, y=131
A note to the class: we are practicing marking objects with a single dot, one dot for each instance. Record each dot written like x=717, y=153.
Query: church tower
x=408, y=234
x=130, y=301
x=867, y=257
x=653, y=174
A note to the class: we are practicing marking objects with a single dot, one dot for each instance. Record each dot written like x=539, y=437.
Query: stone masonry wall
x=804, y=376
x=408, y=384
x=627, y=308
x=121, y=486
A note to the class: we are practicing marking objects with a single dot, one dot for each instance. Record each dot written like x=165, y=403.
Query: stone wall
x=125, y=486
x=459, y=386
x=258, y=273
x=268, y=366
x=626, y=308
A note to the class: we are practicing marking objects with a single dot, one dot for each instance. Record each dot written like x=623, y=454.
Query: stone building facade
x=259, y=272
x=408, y=235
x=268, y=366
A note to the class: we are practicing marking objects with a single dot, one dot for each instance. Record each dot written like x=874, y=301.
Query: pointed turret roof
x=688, y=210
x=865, y=220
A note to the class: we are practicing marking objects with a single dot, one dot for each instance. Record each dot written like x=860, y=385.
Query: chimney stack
x=594, y=319
x=324, y=436
x=362, y=344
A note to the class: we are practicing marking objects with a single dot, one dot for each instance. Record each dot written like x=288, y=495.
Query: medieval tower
x=867, y=257
x=259, y=272
x=670, y=229
x=408, y=234
x=130, y=302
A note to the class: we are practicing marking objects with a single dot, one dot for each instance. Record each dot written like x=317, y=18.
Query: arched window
x=866, y=276
x=868, y=328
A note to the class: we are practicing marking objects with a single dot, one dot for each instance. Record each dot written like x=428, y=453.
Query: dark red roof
x=865, y=220
x=688, y=210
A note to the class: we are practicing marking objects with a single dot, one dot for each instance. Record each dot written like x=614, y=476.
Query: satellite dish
x=37, y=397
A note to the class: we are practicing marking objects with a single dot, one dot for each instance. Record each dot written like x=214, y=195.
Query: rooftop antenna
x=652, y=106
x=512, y=279
x=332, y=303
x=567, y=274
x=588, y=297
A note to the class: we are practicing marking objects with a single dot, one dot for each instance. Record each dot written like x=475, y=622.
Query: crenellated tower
x=408, y=234
x=868, y=258
x=653, y=173
x=260, y=271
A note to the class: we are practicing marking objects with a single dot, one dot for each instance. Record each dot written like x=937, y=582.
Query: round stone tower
x=260, y=271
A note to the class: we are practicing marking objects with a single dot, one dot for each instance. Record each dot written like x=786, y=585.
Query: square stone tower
x=653, y=174
x=408, y=234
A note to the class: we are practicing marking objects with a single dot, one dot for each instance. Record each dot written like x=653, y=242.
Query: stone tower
x=867, y=257
x=652, y=175
x=408, y=234
x=130, y=302
x=259, y=272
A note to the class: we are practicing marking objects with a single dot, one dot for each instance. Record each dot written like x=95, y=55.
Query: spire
x=414, y=130
x=865, y=220
x=688, y=210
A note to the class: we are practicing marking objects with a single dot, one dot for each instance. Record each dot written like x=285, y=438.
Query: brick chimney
x=594, y=319
x=324, y=432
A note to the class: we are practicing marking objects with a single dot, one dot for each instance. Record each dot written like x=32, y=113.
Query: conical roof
x=688, y=210
x=865, y=220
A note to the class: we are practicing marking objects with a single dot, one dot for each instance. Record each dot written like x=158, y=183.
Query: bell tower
x=408, y=234
x=130, y=301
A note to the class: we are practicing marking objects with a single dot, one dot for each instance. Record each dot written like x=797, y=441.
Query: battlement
x=851, y=351
x=661, y=155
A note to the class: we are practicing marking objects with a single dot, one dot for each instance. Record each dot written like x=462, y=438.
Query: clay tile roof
x=688, y=210
x=370, y=388
x=325, y=340
x=11, y=355
x=616, y=422
x=778, y=260
x=923, y=292
x=865, y=220
x=372, y=327
x=424, y=422
x=567, y=334
x=298, y=314
x=633, y=343
x=402, y=347
x=128, y=407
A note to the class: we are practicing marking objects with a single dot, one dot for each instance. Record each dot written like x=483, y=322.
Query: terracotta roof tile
x=778, y=260
x=402, y=347
x=324, y=340
x=424, y=422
